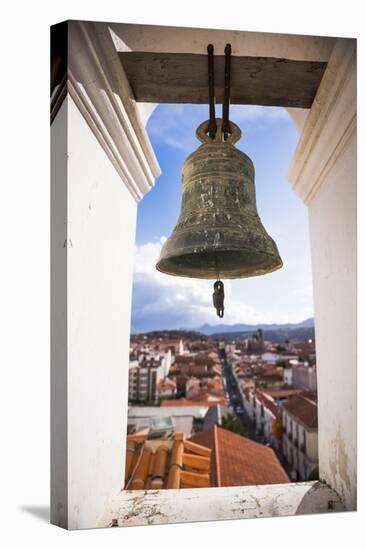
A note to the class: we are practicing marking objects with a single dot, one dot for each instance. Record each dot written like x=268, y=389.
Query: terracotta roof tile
x=176, y=463
x=131, y=458
x=237, y=460
x=203, y=402
x=166, y=383
x=140, y=474
x=215, y=457
x=194, y=479
x=304, y=408
x=166, y=464
x=194, y=447
x=279, y=394
x=267, y=402
x=196, y=462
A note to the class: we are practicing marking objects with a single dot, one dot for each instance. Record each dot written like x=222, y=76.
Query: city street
x=235, y=398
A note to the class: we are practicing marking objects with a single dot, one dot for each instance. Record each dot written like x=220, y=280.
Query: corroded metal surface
x=219, y=232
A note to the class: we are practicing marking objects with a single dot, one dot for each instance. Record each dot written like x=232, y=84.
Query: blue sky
x=160, y=301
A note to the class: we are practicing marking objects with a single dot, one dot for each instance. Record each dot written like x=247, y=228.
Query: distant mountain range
x=210, y=330
x=277, y=333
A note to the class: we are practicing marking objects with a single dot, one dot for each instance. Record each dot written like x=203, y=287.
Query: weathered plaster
x=320, y=499
x=339, y=463
x=188, y=505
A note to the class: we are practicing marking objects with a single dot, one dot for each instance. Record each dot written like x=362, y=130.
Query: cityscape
x=221, y=410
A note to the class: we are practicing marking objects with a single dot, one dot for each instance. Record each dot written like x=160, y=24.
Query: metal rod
x=211, y=92
x=225, y=106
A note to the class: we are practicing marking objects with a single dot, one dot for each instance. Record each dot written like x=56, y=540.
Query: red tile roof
x=166, y=383
x=166, y=463
x=280, y=394
x=237, y=460
x=267, y=401
x=304, y=408
x=197, y=401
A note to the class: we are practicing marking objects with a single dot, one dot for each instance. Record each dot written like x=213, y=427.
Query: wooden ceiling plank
x=182, y=78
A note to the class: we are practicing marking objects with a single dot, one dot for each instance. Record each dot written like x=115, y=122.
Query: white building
x=300, y=435
x=167, y=387
x=163, y=357
x=231, y=348
x=264, y=413
x=176, y=345
x=167, y=362
x=193, y=387
x=143, y=380
x=287, y=375
x=270, y=358
x=304, y=376
x=184, y=418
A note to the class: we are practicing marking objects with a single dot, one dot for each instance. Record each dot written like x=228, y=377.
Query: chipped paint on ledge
x=187, y=505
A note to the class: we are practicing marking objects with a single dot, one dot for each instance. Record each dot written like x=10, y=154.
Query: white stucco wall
x=100, y=245
x=59, y=318
x=323, y=172
x=333, y=226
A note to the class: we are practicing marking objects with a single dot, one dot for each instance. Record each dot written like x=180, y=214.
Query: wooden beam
x=182, y=78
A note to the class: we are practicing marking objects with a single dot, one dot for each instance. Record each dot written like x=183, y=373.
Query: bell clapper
x=218, y=294
x=218, y=298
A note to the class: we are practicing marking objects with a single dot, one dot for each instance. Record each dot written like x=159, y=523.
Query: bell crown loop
x=202, y=132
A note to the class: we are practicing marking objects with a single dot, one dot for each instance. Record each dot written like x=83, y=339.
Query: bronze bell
x=219, y=233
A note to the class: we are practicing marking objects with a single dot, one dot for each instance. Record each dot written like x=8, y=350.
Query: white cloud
x=305, y=293
x=175, y=125
x=244, y=113
x=174, y=302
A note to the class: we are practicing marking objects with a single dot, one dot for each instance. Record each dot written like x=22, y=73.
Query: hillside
x=278, y=336
x=239, y=327
x=171, y=334
x=277, y=333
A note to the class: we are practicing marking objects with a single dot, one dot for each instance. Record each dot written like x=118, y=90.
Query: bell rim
x=211, y=275
x=224, y=277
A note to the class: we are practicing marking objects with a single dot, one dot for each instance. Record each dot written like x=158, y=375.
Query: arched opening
x=171, y=312
x=269, y=138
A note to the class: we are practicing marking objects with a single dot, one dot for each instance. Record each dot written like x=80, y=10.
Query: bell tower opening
x=232, y=375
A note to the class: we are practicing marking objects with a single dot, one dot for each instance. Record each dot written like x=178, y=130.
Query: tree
x=232, y=425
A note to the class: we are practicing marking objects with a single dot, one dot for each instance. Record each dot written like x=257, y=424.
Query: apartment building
x=265, y=415
x=304, y=376
x=144, y=379
x=300, y=435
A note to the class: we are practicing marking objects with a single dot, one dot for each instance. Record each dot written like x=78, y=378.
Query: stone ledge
x=188, y=505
